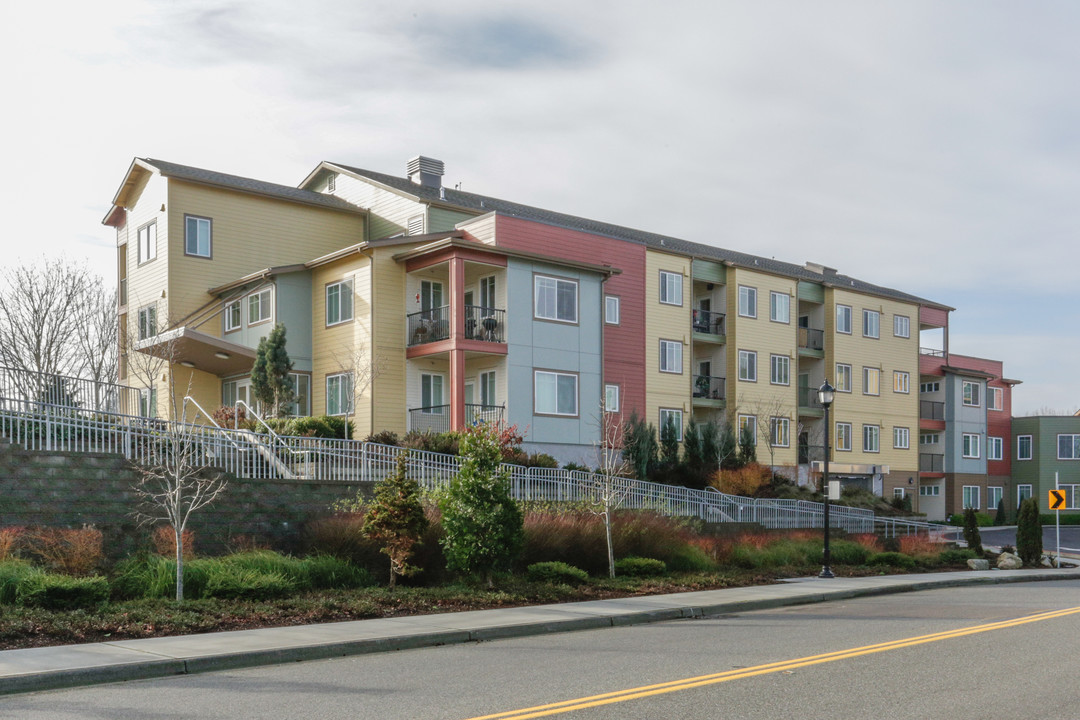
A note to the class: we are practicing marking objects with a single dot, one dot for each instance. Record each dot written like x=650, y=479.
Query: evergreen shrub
x=61, y=592
x=639, y=567
x=892, y=559
x=556, y=572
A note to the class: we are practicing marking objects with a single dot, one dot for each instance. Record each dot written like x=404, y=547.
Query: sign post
x=1057, y=499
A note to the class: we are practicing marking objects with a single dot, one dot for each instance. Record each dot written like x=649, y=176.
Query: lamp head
x=826, y=394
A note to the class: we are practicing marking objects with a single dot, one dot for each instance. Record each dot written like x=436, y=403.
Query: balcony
x=707, y=322
x=931, y=463
x=429, y=325
x=808, y=398
x=436, y=418
x=485, y=323
x=811, y=339
x=930, y=410
x=707, y=387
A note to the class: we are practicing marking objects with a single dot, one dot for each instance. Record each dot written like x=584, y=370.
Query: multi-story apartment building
x=475, y=307
x=1047, y=447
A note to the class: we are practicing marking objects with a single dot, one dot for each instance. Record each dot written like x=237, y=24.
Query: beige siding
x=389, y=212
x=147, y=281
x=388, y=298
x=666, y=322
x=482, y=229
x=888, y=354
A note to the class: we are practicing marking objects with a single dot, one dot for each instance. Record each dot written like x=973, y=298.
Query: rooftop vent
x=821, y=269
x=425, y=171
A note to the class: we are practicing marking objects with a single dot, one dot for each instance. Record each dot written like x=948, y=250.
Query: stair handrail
x=277, y=438
x=208, y=416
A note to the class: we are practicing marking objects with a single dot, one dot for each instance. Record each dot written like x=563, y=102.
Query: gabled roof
x=480, y=204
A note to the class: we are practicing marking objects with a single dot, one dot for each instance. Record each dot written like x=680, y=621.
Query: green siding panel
x=710, y=272
x=811, y=292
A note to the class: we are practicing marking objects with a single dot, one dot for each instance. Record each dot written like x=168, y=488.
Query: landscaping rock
x=1008, y=561
x=978, y=564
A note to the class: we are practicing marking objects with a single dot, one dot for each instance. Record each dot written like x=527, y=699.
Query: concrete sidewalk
x=72, y=665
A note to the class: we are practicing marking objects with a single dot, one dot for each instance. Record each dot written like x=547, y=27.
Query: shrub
x=572, y=536
x=326, y=572
x=321, y=426
x=61, y=592
x=342, y=536
x=918, y=545
x=1029, y=532
x=782, y=552
x=971, y=531
x=12, y=573
x=846, y=552
x=267, y=562
x=640, y=567
x=396, y=519
x=556, y=572
x=892, y=559
x=164, y=541
x=231, y=417
x=384, y=437
x=955, y=556
x=690, y=558
x=10, y=540
x=745, y=480
x=242, y=584
x=150, y=576
x=870, y=541
x=447, y=442
x=67, y=550
x=1000, y=518
x=573, y=466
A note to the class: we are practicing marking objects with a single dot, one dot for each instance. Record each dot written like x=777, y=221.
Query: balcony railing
x=931, y=463
x=429, y=325
x=931, y=410
x=436, y=418
x=711, y=388
x=931, y=351
x=811, y=338
x=485, y=323
x=708, y=322
x=808, y=398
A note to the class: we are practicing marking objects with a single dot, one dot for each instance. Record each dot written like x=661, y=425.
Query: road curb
x=165, y=667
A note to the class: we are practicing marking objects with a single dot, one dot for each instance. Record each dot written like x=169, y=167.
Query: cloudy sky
x=927, y=146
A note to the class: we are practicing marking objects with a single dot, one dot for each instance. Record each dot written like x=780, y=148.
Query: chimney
x=425, y=171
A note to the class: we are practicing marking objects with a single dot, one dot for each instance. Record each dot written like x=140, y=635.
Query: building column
x=457, y=333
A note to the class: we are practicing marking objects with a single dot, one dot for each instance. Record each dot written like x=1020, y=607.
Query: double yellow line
x=702, y=680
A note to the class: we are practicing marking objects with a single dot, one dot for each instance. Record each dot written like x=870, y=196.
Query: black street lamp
x=825, y=395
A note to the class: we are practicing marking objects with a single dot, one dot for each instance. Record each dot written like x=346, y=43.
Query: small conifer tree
x=669, y=444
x=971, y=531
x=270, y=381
x=728, y=448
x=640, y=447
x=396, y=519
x=1029, y=532
x=710, y=448
x=1000, y=518
x=747, y=447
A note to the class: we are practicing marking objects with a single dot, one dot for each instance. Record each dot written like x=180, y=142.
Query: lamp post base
x=826, y=572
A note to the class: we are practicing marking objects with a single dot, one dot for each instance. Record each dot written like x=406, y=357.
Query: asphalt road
x=975, y=671
x=1070, y=538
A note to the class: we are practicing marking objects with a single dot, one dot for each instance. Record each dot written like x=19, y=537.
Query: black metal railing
x=929, y=462
x=485, y=323
x=712, y=388
x=475, y=413
x=931, y=351
x=808, y=398
x=811, y=338
x=931, y=410
x=429, y=325
x=708, y=322
x=436, y=418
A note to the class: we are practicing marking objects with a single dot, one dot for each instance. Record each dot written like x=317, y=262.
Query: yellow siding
x=147, y=281
x=204, y=387
x=766, y=337
x=388, y=297
x=483, y=229
x=389, y=212
x=666, y=322
x=888, y=354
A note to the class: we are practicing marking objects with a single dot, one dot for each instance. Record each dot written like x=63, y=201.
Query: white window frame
x=930, y=387
x=555, y=410
x=899, y=492
x=294, y=409
x=196, y=249
x=901, y=438
x=930, y=490
x=780, y=429
x=925, y=438
x=611, y=309
x=779, y=307
x=747, y=421
x=971, y=497
x=871, y=324
x=234, y=316
x=341, y=394
x=995, y=448
x=147, y=238
x=901, y=382
x=843, y=437
x=995, y=398
x=1020, y=443
x=994, y=495
x=843, y=377
x=871, y=377
x=671, y=288
x=147, y=322
x=488, y=384
x=611, y=397
x=148, y=406
x=344, y=289
x=747, y=301
x=901, y=326
x=779, y=370
x=677, y=416
x=430, y=407
x=871, y=438
x=264, y=299
x=671, y=357
x=1073, y=445
x=546, y=291
x=749, y=366
x=971, y=446
x=843, y=319
x=1023, y=492
x=972, y=398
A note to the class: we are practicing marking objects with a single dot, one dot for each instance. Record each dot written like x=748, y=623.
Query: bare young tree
x=609, y=485
x=96, y=338
x=362, y=369
x=764, y=412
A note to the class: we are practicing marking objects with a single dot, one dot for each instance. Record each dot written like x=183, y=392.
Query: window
x=929, y=439
x=971, y=443
x=871, y=321
x=555, y=393
x=994, y=495
x=901, y=382
x=843, y=378
x=611, y=310
x=415, y=225
x=197, y=233
x=339, y=394
x=930, y=387
x=259, y=307
x=747, y=301
x=971, y=393
x=1023, y=447
x=339, y=302
x=780, y=430
x=228, y=392
x=670, y=356
x=995, y=449
x=1068, y=447
x=843, y=436
x=611, y=398
x=487, y=388
x=748, y=428
x=780, y=372
x=748, y=365
x=843, y=319
x=995, y=398
x=1023, y=492
x=147, y=322
x=232, y=316
x=898, y=492
x=901, y=326
x=779, y=307
x=971, y=497
x=148, y=242
x=670, y=288
x=431, y=394
x=301, y=387
x=148, y=402
x=487, y=292
x=901, y=438
x=929, y=490
x=674, y=417
x=871, y=381
x=555, y=299
x=871, y=438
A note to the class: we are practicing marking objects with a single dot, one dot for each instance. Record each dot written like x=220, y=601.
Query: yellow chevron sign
x=1057, y=499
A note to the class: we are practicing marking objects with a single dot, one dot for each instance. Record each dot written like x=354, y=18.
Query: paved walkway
x=72, y=665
